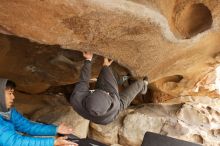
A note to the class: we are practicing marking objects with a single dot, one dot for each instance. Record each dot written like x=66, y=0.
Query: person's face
x=9, y=97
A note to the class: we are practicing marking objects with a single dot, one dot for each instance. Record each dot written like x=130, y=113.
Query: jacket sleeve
x=32, y=128
x=85, y=75
x=9, y=137
x=81, y=89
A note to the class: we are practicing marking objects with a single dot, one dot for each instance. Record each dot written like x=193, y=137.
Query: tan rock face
x=63, y=114
x=191, y=122
x=145, y=31
x=35, y=67
x=51, y=109
x=146, y=36
x=175, y=43
x=196, y=121
x=108, y=134
x=194, y=19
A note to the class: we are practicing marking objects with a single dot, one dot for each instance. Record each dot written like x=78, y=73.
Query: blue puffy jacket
x=9, y=129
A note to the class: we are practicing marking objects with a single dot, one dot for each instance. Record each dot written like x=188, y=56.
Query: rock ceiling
x=149, y=37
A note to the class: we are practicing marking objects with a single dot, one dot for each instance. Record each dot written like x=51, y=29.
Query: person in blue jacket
x=16, y=130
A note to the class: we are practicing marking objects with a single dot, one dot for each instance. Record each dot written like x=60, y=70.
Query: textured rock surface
x=63, y=114
x=196, y=120
x=175, y=43
x=52, y=109
x=108, y=134
x=192, y=122
x=149, y=32
x=35, y=67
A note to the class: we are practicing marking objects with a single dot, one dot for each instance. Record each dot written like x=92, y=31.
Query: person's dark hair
x=10, y=85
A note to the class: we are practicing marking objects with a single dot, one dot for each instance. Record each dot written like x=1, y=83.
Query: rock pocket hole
x=193, y=19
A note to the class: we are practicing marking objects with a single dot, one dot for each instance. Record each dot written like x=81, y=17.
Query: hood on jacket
x=3, y=107
x=98, y=103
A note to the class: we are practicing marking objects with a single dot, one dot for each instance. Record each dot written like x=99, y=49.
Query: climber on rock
x=12, y=124
x=103, y=104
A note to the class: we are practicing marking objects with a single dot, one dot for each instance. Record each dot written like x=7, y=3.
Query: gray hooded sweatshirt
x=3, y=109
x=101, y=106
